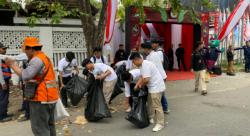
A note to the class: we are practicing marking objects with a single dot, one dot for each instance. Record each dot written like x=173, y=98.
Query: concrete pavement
x=224, y=112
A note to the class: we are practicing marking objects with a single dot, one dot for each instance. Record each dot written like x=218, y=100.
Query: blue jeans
x=164, y=102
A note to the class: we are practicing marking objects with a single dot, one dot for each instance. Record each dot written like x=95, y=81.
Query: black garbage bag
x=76, y=88
x=96, y=108
x=139, y=115
x=119, y=84
x=117, y=90
x=77, y=85
x=74, y=98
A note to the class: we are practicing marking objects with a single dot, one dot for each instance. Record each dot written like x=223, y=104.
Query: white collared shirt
x=149, y=70
x=154, y=58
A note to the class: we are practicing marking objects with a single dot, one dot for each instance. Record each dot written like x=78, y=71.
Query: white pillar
x=46, y=39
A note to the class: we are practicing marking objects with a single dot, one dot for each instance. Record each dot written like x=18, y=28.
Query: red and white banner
x=111, y=15
x=233, y=18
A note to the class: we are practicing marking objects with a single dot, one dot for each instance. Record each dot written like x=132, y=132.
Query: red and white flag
x=111, y=15
x=233, y=18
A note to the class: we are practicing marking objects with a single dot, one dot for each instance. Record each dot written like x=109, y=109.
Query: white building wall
x=56, y=41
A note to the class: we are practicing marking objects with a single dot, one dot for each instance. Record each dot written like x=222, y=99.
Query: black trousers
x=25, y=105
x=26, y=108
x=4, y=101
x=180, y=61
x=63, y=92
x=42, y=119
x=171, y=64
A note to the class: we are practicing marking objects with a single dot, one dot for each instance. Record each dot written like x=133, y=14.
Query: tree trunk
x=87, y=25
x=102, y=23
x=93, y=33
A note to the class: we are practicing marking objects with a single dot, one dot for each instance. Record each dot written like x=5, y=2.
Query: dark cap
x=2, y=46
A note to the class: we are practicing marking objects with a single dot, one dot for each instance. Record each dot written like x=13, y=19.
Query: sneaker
x=166, y=112
x=128, y=110
x=158, y=127
x=151, y=121
x=6, y=119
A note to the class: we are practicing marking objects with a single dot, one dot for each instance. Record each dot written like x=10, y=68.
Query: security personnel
x=4, y=90
x=39, y=69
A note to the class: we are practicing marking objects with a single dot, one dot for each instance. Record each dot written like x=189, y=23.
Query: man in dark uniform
x=4, y=90
x=120, y=54
x=171, y=58
x=180, y=57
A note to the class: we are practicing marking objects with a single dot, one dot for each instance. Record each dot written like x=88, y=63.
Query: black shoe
x=6, y=119
x=20, y=110
x=230, y=74
x=204, y=93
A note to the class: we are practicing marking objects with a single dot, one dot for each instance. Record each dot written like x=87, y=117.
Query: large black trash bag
x=139, y=115
x=116, y=91
x=77, y=85
x=76, y=88
x=119, y=84
x=96, y=108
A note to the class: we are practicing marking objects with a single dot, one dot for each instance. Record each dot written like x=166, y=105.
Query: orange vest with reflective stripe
x=6, y=71
x=47, y=90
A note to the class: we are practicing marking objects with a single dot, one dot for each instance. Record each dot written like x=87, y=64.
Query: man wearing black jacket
x=199, y=68
x=180, y=57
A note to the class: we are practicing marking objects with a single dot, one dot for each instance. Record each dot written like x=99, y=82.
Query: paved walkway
x=224, y=112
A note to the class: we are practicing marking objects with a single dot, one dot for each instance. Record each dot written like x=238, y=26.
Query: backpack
x=165, y=60
x=102, y=58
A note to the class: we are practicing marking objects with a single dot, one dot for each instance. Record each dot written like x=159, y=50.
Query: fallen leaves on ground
x=80, y=120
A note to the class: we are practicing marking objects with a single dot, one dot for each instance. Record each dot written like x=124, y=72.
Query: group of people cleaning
x=148, y=72
x=143, y=70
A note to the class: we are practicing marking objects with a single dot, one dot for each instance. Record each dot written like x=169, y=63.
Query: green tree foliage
x=94, y=24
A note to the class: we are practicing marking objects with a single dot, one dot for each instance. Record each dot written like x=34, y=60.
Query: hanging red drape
x=167, y=37
x=187, y=43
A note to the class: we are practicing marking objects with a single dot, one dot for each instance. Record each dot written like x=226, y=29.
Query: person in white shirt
x=156, y=47
x=152, y=78
x=66, y=67
x=98, y=57
x=102, y=72
x=153, y=57
x=130, y=77
x=129, y=63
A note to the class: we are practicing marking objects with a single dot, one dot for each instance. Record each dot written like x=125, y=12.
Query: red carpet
x=180, y=75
